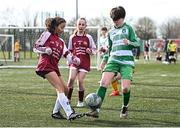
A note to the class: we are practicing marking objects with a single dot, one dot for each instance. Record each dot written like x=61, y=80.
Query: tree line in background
x=145, y=27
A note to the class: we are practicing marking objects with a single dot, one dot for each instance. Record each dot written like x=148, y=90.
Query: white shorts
x=80, y=70
x=158, y=49
x=16, y=55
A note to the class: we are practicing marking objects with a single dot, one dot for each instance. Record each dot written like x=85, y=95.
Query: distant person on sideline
x=17, y=51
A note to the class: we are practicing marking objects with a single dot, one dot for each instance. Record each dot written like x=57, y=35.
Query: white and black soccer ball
x=92, y=100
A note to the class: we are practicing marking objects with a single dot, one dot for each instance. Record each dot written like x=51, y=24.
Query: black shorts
x=146, y=49
x=42, y=73
x=171, y=53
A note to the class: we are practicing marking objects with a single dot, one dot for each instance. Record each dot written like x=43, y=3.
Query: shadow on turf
x=133, y=110
x=128, y=122
x=107, y=123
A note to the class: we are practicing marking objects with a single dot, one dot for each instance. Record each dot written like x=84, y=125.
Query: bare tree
x=35, y=22
x=29, y=18
x=145, y=28
x=94, y=21
x=72, y=22
x=8, y=17
x=97, y=21
x=100, y=21
x=170, y=29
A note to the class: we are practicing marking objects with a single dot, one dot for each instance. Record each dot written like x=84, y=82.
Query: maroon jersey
x=78, y=46
x=50, y=62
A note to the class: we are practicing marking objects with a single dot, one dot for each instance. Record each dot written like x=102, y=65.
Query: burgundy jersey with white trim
x=50, y=62
x=78, y=46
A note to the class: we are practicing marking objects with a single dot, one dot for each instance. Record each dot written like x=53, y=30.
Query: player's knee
x=125, y=88
x=104, y=83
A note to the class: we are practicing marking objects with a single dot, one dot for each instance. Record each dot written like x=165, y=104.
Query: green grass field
x=26, y=100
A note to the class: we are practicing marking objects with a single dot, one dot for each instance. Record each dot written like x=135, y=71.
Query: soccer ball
x=92, y=100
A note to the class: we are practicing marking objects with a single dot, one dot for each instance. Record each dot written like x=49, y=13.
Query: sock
x=63, y=100
x=69, y=95
x=57, y=106
x=126, y=97
x=81, y=95
x=101, y=92
x=115, y=85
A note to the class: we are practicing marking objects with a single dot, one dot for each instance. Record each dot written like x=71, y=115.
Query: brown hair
x=104, y=29
x=48, y=22
x=117, y=13
x=55, y=23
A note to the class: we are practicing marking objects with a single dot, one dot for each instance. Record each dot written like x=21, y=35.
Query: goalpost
x=6, y=47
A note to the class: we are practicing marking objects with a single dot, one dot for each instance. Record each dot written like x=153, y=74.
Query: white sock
x=57, y=106
x=146, y=57
x=63, y=100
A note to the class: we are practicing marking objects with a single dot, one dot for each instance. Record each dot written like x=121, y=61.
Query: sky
x=158, y=10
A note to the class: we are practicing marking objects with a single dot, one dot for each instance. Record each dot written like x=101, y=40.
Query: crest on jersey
x=123, y=30
x=85, y=43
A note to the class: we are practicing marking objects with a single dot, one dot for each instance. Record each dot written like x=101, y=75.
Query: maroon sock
x=70, y=91
x=81, y=95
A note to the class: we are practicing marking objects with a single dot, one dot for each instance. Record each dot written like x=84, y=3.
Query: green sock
x=126, y=97
x=101, y=92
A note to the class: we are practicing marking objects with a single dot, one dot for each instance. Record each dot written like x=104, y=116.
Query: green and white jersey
x=118, y=51
x=103, y=42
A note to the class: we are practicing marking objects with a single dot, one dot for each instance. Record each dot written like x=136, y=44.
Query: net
x=6, y=47
x=28, y=35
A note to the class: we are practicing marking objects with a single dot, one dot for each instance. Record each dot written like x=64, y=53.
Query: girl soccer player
x=81, y=45
x=51, y=48
x=146, y=50
x=122, y=40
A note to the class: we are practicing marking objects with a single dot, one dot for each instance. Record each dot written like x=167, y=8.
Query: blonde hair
x=82, y=18
x=76, y=30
